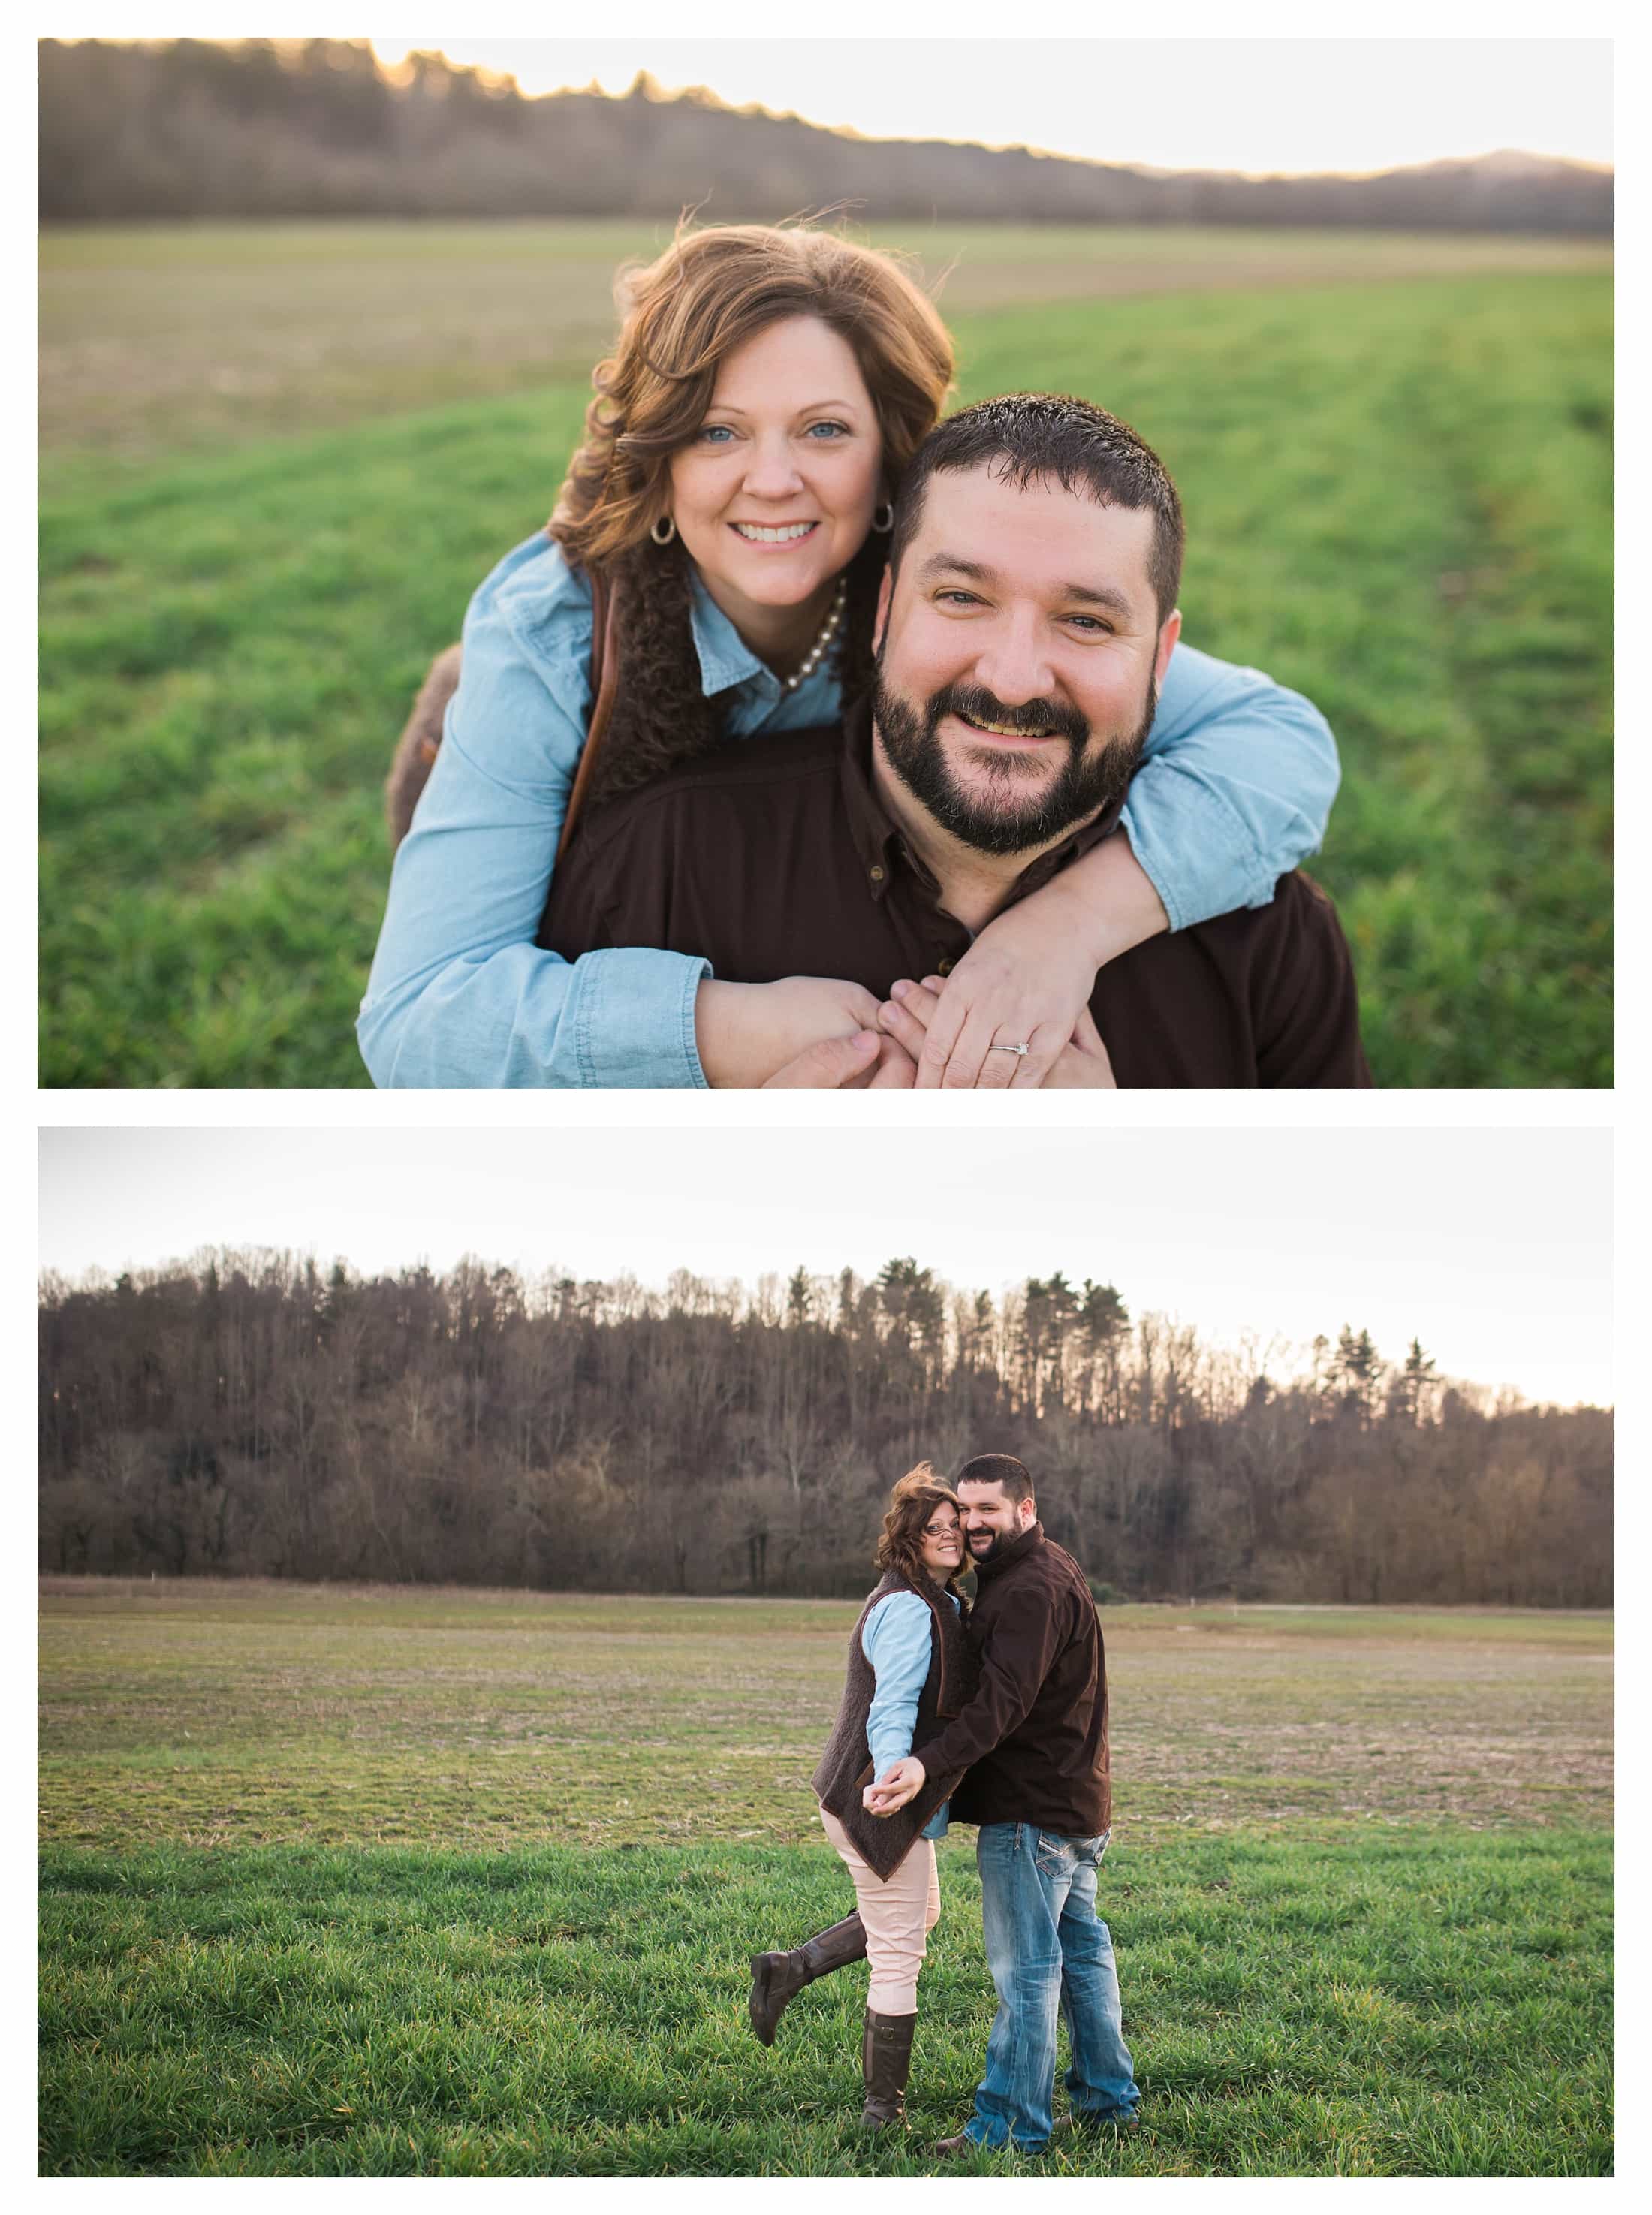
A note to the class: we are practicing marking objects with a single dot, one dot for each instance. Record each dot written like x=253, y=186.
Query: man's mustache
x=1033, y=718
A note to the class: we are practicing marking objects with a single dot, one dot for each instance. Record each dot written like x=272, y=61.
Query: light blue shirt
x=1235, y=788
x=895, y=1639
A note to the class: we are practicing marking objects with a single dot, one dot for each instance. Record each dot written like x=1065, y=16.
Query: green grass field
x=367, y=1881
x=271, y=475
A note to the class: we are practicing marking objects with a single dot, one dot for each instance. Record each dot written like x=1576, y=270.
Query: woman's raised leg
x=898, y=1917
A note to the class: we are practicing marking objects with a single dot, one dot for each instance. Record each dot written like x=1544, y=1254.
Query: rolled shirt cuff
x=630, y=1018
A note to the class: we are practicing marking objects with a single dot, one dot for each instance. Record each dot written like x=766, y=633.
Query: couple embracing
x=819, y=740
x=995, y=1717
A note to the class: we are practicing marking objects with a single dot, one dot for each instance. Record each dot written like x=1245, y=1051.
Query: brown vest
x=845, y=1768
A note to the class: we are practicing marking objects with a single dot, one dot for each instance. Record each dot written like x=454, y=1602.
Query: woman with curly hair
x=730, y=500
x=909, y=1670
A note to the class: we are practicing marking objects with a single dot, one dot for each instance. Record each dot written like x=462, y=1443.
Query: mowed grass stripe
x=1398, y=500
x=1361, y=2001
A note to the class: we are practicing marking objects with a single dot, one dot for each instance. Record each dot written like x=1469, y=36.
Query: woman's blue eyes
x=718, y=434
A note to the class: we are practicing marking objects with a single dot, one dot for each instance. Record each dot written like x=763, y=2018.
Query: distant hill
x=189, y=128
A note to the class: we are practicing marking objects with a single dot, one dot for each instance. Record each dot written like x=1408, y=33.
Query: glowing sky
x=1492, y=1246
x=1253, y=104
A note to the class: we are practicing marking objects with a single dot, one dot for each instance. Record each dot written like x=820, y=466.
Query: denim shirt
x=1235, y=788
x=895, y=1639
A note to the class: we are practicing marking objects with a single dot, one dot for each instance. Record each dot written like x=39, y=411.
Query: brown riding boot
x=886, y=2057
x=778, y=1978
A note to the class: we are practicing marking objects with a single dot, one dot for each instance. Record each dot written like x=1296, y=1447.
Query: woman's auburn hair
x=912, y=1503
x=681, y=316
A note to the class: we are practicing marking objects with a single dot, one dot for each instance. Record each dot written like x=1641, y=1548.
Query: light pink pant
x=899, y=1916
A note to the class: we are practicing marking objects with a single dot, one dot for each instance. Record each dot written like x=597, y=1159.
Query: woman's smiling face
x=941, y=1544
x=775, y=492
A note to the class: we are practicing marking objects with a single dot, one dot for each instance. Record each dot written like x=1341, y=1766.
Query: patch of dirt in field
x=1247, y=265
x=147, y=355
x=1482, y=1732
x=280, y=1715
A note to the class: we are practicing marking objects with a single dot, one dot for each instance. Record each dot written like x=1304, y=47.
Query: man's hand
x=1083, y=1062
x=747, y=1034
x=1084, y=1065
x=866, y=1061
x=898, y=1784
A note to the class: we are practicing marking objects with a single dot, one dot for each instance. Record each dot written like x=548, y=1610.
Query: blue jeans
x=1046, y=1949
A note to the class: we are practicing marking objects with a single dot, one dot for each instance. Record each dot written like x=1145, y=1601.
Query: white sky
x=1258, y=104
x=1492, y=1246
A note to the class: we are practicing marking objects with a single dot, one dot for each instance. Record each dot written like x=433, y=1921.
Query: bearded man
x=1027, y=618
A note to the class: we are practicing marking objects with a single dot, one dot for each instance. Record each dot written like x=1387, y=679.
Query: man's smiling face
x=1020, y=656
x=990, y=1519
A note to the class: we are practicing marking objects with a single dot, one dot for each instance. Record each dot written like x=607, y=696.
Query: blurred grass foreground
x=276, y=460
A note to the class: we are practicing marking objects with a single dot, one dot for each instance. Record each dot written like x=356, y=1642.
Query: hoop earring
x=662, y=530
x=886, y=511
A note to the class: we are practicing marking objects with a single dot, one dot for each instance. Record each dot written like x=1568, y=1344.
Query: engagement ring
x=1008, y=1049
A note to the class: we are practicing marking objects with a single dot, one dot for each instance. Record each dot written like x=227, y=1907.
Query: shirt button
x=877, y=873
x=943, y=966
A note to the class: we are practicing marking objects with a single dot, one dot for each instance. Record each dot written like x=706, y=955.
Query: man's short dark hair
x=1027, y=435
x=999, y=1468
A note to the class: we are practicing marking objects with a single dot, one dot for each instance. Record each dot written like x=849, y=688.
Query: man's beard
x=1086, y=785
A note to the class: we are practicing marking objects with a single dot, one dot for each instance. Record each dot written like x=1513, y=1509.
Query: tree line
x=180, y=128
x=248, y=1414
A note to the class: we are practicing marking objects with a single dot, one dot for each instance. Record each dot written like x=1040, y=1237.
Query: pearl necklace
x=828, y=631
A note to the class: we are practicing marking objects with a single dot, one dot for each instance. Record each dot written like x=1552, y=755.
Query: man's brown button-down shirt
x=777, y=858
